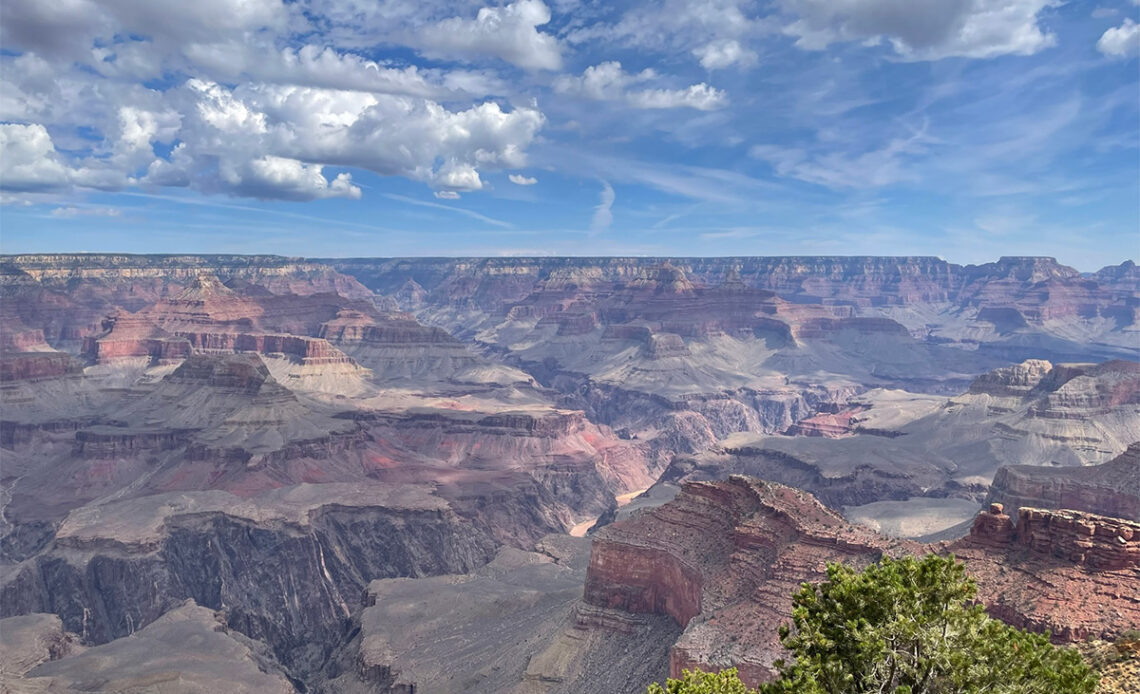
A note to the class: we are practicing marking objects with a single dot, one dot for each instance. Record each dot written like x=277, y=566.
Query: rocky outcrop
x=1084, y=539
x=1111, y=489
x=1073, y=574
x=30, y=640
x=723, y=559
x=189, y=650
x=27, y=366
x=208, y=316
x=993, y=526
x=826, y=424
x=1018, y=380
x=128, y=336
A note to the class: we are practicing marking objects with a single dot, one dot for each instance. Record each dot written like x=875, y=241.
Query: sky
x=965, y=129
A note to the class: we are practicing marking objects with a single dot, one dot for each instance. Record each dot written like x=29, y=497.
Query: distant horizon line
x=15, y=257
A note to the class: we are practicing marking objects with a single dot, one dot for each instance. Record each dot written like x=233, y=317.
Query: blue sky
x=967, y=129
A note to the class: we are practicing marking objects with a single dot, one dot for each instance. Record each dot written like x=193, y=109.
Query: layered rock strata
x=1111, y=488
x=723, y=560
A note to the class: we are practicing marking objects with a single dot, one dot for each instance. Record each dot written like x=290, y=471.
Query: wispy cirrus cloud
x=450, y=208
x=603, y=212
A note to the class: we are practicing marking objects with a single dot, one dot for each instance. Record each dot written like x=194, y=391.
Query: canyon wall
x=724, y=558
x=1111, y=488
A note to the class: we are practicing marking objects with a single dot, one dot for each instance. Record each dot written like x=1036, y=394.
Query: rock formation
x=188, y=650
x=1111, y=489
x=723, y=559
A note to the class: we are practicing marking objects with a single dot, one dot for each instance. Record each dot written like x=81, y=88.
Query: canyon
x=361, y=475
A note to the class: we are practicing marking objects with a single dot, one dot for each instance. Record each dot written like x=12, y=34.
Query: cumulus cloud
x=699, y=96
x=603, y=212
x=280, y=178
x=276, y=94
x=723, y=53
x=1121, y=41
x=510, y=33
x=29, y=161
x=923, y=29
x=274, y=141
x=520, y=180
x=608, y=82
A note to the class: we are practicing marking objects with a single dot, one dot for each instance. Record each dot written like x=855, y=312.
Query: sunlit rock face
x=723, y=560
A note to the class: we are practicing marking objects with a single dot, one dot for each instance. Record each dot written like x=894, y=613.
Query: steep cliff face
x=277, y=274
x=1033, y=288
x=66, y=297
x=1110, y=489
x=30, y=366
x=208, y=316
x=208, y=479
x=288, y=568
x=723, y=559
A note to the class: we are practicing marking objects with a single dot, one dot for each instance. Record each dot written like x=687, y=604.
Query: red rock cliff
x=724, y=558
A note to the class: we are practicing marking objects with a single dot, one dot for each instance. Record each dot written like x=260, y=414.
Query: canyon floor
x=544, y=474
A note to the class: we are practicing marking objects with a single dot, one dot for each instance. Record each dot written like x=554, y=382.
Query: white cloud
x=29, y=161
x=450, y=208
x=323, y=66
x=447, y=195
x=272, y=141
x=883, y=166
x=923, y=29
x=67, y=28
x=71, y=212
x=699, y=96
x=296, y=99
x=1121, y=41
x=608, y=82
x=509, y=32
x=723, y=53
x=603, y=212
x=520, y=180
x=285, y=179
x=604, y=81
x=672, y=26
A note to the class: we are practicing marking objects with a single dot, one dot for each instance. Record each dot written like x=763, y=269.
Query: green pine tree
x=904, y=626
